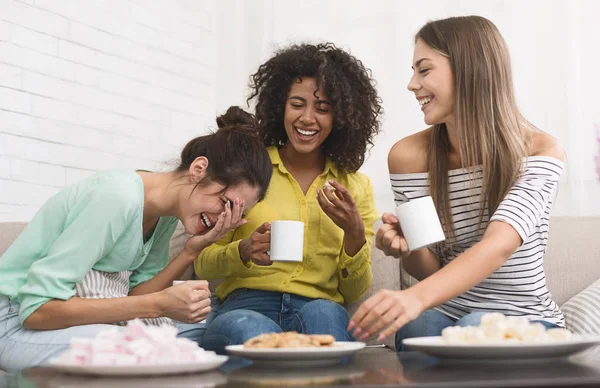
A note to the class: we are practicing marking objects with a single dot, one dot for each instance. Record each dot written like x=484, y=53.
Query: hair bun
x=239, y=119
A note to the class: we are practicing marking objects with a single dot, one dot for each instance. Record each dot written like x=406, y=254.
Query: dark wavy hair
x=356, y=107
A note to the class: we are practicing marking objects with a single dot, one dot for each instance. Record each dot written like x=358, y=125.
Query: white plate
x=298, y=356
x=434, y=346
x=141, y=370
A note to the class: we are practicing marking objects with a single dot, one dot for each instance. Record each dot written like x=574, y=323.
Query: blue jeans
x=432, y=322
x=23, y=348
x=246, y=313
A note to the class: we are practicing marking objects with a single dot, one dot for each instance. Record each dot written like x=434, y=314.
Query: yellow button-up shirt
x=320, y=274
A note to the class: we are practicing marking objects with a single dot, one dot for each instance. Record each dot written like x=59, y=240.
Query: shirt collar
x=276, y=160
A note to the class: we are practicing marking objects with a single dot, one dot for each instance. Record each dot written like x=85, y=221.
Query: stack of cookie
x=289, y=340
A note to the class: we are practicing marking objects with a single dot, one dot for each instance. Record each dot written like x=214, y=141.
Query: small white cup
x=176, y=282
x=287, y=240
x=420, y=223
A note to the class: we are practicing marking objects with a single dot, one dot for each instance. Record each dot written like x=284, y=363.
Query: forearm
x=421, y=264
x=355, y=274
x=173, y=271
x=352, y=288
x=220, y=261
x=459, y=276
x=354, y=241
x=61, y=314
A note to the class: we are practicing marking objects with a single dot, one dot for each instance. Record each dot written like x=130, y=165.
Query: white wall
x=554, y=47
x=90, y=85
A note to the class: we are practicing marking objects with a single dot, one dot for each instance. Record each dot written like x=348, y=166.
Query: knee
x=192, y=331
x=472, y=319
x=326, y=310
x=429, y=323
x=241, y=321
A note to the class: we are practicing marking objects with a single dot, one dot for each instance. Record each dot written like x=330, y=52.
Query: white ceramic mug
x=287, y=240
x=420, y=223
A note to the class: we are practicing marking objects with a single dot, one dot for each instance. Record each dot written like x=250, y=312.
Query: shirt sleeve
x=158, y=257
x=358, y=267
x=92, y=227
x=531, y=197
x=221, y=259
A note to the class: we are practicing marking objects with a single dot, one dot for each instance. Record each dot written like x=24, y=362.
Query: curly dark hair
x=350, y=89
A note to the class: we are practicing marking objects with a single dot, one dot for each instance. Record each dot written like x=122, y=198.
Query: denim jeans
x=23, y=348
x=432, y=322
x=246, y=313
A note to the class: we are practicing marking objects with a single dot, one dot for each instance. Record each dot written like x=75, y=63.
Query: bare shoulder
x=543, y=144
x=409, y=155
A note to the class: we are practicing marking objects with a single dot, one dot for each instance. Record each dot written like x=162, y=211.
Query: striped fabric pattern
x=582, y=312
x=100, y=285
x=518, y=288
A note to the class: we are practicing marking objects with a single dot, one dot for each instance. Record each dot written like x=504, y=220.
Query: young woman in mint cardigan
x=97, y=252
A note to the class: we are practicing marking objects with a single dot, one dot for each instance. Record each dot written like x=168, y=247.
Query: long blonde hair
x=491, y=130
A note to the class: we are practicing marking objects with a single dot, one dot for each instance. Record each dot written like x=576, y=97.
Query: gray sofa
x=571, y=259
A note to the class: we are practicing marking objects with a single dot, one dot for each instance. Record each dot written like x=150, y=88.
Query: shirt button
x=286, y=281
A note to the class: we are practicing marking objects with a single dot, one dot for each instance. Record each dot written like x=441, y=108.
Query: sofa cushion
x=571, y=257
x=9, y=231
x=176, y=246
x=582, y=312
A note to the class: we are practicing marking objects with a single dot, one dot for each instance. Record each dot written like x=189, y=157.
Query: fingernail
x=364, y=336
x=330, y=181
x=380, y=337
x=357, y=332
x=351, y=325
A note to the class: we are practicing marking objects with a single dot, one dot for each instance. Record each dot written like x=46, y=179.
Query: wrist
x=154, y=304
x=242, y=248
x=419, y=298
x=355, y=234
x=190, y=254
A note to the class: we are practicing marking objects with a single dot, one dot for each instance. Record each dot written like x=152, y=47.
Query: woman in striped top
x=493, y=178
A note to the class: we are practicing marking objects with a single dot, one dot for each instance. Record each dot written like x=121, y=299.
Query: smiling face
x=199, y=206
x=433, y=84
x=308, y=119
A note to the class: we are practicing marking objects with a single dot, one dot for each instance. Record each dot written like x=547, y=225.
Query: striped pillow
x=582, y=312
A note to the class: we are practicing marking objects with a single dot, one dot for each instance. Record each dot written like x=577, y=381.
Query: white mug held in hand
x=287, y=240
x=420, y=223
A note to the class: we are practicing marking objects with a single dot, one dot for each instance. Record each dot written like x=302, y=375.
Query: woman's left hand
x=339, y=205
x=386, y=311
x=228, y=220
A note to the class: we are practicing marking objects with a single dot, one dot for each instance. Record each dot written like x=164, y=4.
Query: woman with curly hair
x=318, y=112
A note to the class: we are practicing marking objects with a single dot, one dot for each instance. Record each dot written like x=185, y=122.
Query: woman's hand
x=228, y=220
x=386, y=311
x=188, y=302
x=389, y=237
x=255, y=247
x=339, y=205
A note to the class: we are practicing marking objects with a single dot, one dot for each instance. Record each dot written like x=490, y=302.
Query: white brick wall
x=89, y=85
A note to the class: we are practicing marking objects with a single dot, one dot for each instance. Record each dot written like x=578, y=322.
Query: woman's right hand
x=188, y=302
x=389, y=237
x=256, y=246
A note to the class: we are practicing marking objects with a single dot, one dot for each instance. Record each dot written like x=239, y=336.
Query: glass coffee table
x=368, y=368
